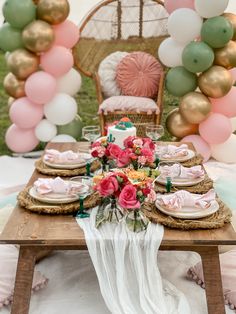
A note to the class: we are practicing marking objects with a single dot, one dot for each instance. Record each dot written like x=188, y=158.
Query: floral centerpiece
x=123, y=194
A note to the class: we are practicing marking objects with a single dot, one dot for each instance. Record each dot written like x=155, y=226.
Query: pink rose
x=148, y=154
x=148, y=143
x=108, y=186
x=138, y=142
x=142, y=160
x=114, y=150
x=99, y=151
x=128, y=142
x=96, y=144
x=124, y=158
x=128, y=197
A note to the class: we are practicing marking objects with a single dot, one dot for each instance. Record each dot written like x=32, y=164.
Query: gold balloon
x=195, y=107
x=178, y=126
x=14, y=87
x=215, y=82
x=232, y=18
x=226, y=56
x=22, y=63
x=38, y=36
x=53, y=11
x=10, y=101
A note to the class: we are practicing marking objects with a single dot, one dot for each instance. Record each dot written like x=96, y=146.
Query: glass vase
x=136, y=221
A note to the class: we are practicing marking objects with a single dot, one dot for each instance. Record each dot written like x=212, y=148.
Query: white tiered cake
x=119, y=132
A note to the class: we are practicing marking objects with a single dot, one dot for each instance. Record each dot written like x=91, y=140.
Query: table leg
x=23, y=282
x=213, y=282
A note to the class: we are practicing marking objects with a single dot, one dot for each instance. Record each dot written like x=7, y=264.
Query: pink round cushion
x=138, y=74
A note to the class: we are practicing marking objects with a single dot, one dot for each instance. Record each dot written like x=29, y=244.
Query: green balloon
x=179, y=81
x=197, y=57
x=19, y=13
x=10, y=38
x=217, y=32
x=73, y=128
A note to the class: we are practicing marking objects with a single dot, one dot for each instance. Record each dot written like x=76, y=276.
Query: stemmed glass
x=154, y=132
x=91, y=133
x=167, y=173
x=82, y=195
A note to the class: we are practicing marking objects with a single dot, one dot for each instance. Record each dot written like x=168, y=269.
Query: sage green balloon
x=10, y=38
x=73, y=128
x=197, y=57
x=217, y=31
x=180, y=81
x=19, y=13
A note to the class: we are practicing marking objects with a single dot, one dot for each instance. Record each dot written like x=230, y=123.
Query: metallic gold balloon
x=22, y=63
x=10, y=101
x=178, y=126
x=215, y=82
x=195, y=107
x=53, y=11
x=226, y=56
x=38, y=36
x=14, y=87
x=232, y=18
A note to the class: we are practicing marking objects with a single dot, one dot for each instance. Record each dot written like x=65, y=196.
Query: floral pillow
x=138, y=74
x=228, y=274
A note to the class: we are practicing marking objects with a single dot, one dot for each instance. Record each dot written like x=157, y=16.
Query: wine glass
x=154, y=132
x=87, y=181
x=91, y=133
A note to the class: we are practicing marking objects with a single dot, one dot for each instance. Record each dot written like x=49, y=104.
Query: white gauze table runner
x=127, y=271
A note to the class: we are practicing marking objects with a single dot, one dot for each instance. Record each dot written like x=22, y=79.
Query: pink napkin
x=54, y=156
x=182, y=198
x=59, y=186
x=176, y=170
x=174, y=151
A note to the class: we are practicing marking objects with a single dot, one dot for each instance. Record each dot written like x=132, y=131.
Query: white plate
x=190, y=212
x=52, y=198
x=181, y=182
x=190, y=155
x=86, y=156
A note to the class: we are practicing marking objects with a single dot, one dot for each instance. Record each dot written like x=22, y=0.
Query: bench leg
x=23, y=282
x=212, y=279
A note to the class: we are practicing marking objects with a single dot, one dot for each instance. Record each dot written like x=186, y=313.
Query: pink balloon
x=225, y=105
x=40, y=87
x=57, y=61
x=66, y=34
x=200, y=145
x=215, y=129
x=25, y=114
x=172, y=5
x=20, y=140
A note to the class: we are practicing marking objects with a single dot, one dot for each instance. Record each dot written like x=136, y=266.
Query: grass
x=87, y=106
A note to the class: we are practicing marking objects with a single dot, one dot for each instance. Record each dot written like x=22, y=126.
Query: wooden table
x=35, y=233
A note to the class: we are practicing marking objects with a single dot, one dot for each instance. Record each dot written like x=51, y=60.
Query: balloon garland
x=37, y=39
x=201, y=55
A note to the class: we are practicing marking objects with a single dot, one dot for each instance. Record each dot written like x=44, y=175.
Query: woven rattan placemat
x=44, y=169
x=217, y=220
x=200, y=188
x=196, y=160
x=28, y=202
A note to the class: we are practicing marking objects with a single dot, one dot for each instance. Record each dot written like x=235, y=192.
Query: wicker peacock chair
x=121, y=25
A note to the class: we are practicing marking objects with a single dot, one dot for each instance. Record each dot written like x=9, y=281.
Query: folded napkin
x=182, y=198
x=54, y=156
x=173, y=151
x=177, y=170
x=59, y=186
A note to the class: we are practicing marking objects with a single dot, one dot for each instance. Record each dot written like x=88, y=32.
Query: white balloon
x=170, y=52
x=225, y=152
x=233, y=123
x=61, y=110
x=184, y=25
x=45, y=130
x=209, y=8
x=69, y=83
x=63, y=138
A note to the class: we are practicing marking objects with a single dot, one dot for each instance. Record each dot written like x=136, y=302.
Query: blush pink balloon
x=57, y=61
x=201, y=146
x=225, y=105
x=20, y=140
x=40, y=87
x=216, y=129
x=66, y=34
x=172, y=5
x=25, y=114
